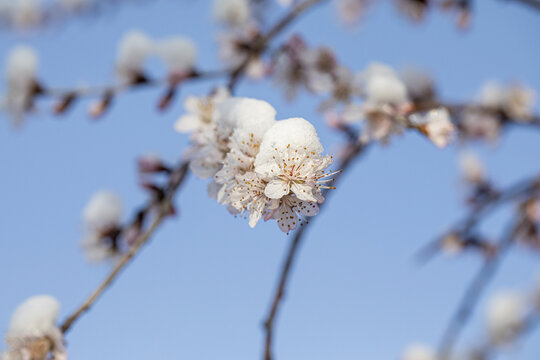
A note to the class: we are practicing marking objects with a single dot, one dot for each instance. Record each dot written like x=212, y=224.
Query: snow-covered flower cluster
x=178, y=53
x=260, y=167
x=418, y=352
x=102, y=216
x=33, y=333
x=505, y=315
x=21, y=79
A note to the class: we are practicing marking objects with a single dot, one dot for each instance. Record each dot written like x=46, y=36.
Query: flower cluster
x=505, y=314
x=178, y=53
x=260, y=167
x=33, y=333
x=497, y=104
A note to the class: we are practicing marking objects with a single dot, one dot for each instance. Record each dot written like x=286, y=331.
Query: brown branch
x=474, y=292
x=177, y=177
x=534, y=4
x=354, y=150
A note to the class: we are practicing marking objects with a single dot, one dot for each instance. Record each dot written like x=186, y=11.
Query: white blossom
x=418, y=352
x=437, y=126
x=413, y=9
x=103, y=211
x=33, y=332
x=380, y=84
x=133, y=50
x=21, y=77
x=471, y=167
x=505, y=316
x=231, y=12
x=179, y=54
x=200, y=111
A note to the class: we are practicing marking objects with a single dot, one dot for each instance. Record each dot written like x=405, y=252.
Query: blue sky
x=200, y=291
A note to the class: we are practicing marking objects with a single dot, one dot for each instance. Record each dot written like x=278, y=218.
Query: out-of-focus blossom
x=515, y=101
x=133, y=50
x=102, y=217
x=33, y=333
x=21, y=78
x=436, y=125
x=481, y=125
x=471, y=167
x=178, y=53
x=418, y=352
x=505, y=316
x=232, y=12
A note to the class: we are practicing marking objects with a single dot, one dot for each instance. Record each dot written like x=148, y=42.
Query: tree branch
x=353, y=152
x=177, y=177
x=474, y=292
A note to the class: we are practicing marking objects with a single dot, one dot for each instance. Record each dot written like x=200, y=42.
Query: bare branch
x=353, y=152
x=474, y=292
x=176, y=179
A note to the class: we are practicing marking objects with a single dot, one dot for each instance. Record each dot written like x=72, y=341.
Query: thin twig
x=535, y=4
x=353, y=152
x=177, y=178
x=474, y=292
x=520, y=189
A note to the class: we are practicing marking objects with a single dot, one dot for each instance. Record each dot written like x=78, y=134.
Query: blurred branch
x=176, y=178
x=474, y=292
x=535, y=4
x=353, y=152
x=262, y=41
x=480, y=210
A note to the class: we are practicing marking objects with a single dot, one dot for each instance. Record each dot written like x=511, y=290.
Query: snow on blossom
x=134, y=48
x=33, y=333
x=291, y=161
x=436, y=125
x=418, y=352
x=231, y=12
x=21, y=77
x=103, y=210
x=505, y=315
x=178, y=53
x=102, y=217
x=380, y=84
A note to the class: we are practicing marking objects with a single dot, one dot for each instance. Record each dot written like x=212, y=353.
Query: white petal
x=288, y=220
x=276, y=189
x=303, y=192
x=187, y=123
